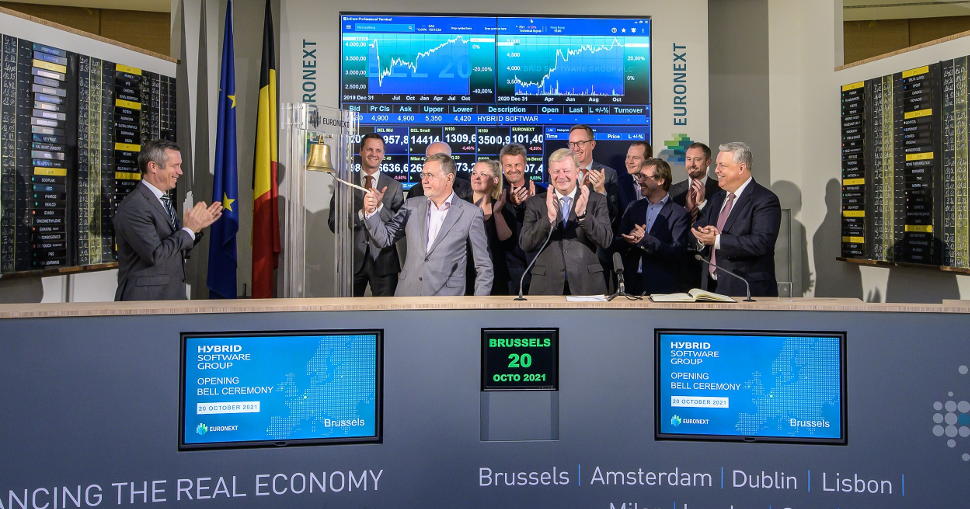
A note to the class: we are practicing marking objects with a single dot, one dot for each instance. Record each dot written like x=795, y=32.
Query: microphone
x=618, y=268
x=555, y=224
x=747, y=287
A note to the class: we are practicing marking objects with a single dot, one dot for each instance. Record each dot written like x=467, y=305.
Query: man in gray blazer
x=576, y=223
x=151, y=241
x=438, y=226
x=373, y=265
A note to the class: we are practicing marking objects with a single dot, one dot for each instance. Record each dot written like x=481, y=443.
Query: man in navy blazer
x=694, y=194
x=653, y=234
x=629, y=186
x=738, y=228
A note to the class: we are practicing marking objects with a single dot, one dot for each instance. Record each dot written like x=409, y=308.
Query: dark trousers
x=380, y=285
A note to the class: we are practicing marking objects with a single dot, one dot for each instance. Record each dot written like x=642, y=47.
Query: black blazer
x=627, y=195
x=747, y=241
x=661, y=250
x=678, y=191
x=385, y=260
x=571, y=253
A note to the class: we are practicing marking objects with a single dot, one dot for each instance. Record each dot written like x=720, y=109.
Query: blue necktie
x=564, y=210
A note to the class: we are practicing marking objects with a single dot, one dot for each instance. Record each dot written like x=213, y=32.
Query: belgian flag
x=266, y=219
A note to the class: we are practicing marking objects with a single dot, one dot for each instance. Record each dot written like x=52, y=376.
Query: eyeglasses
x=577, y=144
x=644, y=176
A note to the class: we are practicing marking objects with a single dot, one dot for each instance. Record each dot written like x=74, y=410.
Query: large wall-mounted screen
x=751, y=386
x=280, y=388
x=480, y=82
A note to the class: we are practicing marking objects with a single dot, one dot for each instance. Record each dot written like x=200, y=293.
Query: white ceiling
x=857, y=10
x=128, y=5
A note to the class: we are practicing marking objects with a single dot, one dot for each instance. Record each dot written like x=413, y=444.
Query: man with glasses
x=654, y=234
x=375, y=266
x=599, y=177
x=438, y=226
x=576, y=222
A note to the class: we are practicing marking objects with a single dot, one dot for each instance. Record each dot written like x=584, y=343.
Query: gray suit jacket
x=571, y=253
x=439, y=270
x=150, y=252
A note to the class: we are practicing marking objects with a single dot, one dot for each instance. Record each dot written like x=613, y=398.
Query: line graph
x=438, y=65
x=561, y=66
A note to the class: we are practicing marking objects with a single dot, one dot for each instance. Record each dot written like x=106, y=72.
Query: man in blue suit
x=738, y=228
x=653, y=234
x=629, y=186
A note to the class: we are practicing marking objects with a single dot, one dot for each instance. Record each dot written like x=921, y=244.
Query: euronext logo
x=675, y=420
x=201, y=429
x=675, y=149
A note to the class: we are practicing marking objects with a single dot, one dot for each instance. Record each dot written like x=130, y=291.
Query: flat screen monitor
x=750, y=386
x=246, y=389
x=478, y=82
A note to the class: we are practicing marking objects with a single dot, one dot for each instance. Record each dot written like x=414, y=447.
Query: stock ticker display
x=70, y=130
x=478, y=83
x=905, y=196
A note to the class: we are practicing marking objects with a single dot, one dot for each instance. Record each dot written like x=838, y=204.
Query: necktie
x=582, y=175
x=693, y=197
x=368, y=182
x=721, y=220
x=564, y=210
x=172, y=218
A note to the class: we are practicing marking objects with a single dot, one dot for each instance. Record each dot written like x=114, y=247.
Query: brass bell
x=319, y=159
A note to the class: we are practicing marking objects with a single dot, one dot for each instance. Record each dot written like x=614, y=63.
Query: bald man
x=463, y=188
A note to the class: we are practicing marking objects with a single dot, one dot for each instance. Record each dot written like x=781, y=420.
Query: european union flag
x=222, y=246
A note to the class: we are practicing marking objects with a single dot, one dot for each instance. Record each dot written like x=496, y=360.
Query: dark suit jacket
x=678, y=191
x=150, y=252
x=747, y=241
x=385, y=260
x=662, y=249
x=515, y=258
x=612, y=191
x=627, y=194
x=571, y=253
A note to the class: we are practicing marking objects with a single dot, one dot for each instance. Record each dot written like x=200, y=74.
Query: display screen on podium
x=751, y=386
x=280, y=388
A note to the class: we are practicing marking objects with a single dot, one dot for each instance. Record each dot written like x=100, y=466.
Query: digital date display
x=520, y=359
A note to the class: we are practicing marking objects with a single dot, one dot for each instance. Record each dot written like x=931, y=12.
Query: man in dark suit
x=629, y=186
x=577, y=223
x=440, y=230
x=151, y=241
x=738, y=227
x=513, y=160
x=653, y=235
x=375, y=266
x=600, y=177
x=462, y=186
x=694, y=194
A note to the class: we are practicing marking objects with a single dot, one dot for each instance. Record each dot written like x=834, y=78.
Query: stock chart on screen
x=480, y=82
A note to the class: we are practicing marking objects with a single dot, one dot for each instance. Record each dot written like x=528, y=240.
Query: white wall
x=804, y=43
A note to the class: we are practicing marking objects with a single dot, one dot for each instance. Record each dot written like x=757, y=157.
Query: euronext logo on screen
x=676, y=420
x=201, y=429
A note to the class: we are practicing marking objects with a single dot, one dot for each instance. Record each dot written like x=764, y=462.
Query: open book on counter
x=694, y=295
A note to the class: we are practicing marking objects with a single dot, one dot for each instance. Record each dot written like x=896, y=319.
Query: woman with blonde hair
x=489, y=195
